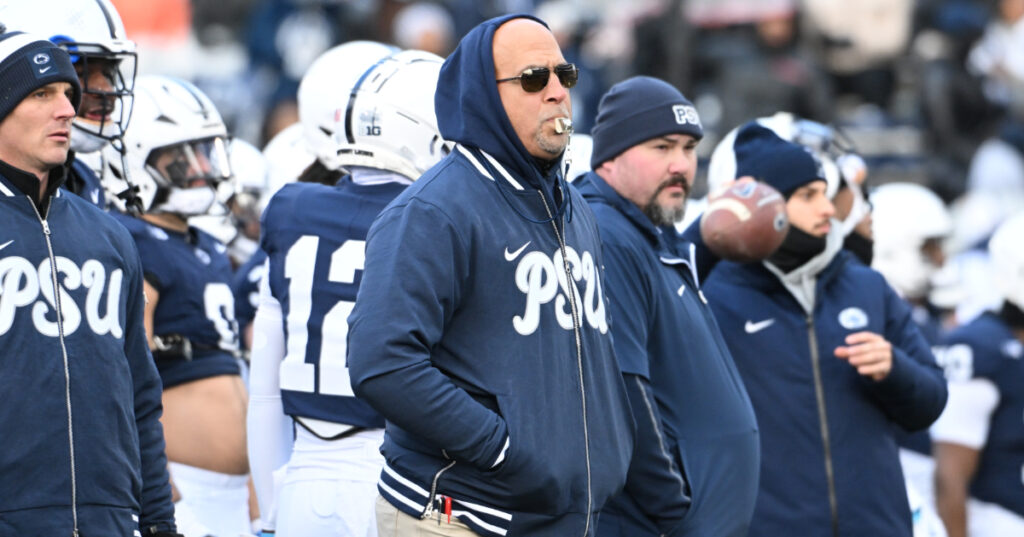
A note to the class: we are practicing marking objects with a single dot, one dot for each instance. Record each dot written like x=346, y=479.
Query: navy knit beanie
x=786, y=166
x=639, y=109
x=29, y=62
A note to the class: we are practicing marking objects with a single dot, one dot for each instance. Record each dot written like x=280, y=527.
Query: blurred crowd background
x=927, y=91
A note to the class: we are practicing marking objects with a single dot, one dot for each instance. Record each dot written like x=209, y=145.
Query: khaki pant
x=393, y=523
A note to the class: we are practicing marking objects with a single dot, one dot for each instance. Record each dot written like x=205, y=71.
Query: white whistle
x=563, y=125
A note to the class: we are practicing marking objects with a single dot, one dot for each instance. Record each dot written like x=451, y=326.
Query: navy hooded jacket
x=695, y=423
x=480, y=331
x=829, y=458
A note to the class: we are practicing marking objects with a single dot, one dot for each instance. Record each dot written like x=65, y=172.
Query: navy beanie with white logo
x=29, y=62
x=639, y=109
x=786, y=166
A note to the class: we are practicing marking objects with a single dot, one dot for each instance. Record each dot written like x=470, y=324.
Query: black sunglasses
x=535, y=79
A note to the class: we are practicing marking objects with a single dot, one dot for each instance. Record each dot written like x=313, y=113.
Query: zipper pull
x=46, y=229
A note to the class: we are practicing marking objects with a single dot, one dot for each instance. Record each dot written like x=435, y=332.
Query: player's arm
x=157, y=510
x=654, y=480
x=958, y=437
x=152, y=298
x=899, y=368
x=269, y=429
x=415, y=265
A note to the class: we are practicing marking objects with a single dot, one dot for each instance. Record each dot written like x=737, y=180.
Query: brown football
x=746, y=222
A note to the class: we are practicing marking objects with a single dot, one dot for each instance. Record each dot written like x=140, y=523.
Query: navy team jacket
x=829, y=461
x=695, y=423
x=480, y=331
x=82, y=441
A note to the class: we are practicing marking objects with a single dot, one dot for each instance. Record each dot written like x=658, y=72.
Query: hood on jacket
x=468, y=106
x=801, y=282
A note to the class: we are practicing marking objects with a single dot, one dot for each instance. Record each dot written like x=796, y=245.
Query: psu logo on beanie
x=686, y=115
x=43, y=64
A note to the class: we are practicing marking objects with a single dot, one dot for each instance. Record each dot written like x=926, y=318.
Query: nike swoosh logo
x=752, y=328
x=6, y=244
x=509, y=256
x=45, y=69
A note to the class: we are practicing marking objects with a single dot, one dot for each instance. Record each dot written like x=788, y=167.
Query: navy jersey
x=82, y=180
x=987, y=349
x=931, y=328
x=246, y=287
x=192, y=273
x=315, y=238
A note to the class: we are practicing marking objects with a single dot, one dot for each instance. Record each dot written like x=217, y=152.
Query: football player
x=369, y=111
x=176, y=153
x=104, y=59
x=979, y=439
x=283, y=159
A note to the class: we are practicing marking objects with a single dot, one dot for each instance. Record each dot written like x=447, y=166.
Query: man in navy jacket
x=696, y=433
x=831, y=358
x=83, y=447
x=480, y=331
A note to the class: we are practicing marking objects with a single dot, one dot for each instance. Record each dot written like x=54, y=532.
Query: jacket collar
x=803, y=284
x=14, y=181
x=594, y=187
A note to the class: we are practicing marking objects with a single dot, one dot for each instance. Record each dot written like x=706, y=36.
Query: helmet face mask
x=191, y=164
x=108, y=80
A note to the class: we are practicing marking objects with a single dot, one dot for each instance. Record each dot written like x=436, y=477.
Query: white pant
x=990, y=520
x=330, y=486
x=220, y=502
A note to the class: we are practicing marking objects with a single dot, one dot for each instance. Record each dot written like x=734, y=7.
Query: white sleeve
x=965, y=420
x=269, y=429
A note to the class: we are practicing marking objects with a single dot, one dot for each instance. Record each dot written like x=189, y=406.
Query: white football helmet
x=175, y=152
x=92, y=33
x=251, y=184
x=324, y=92
x=905, y=216
x=840, y=164
x=1007, y=258
x=286, y=155
x=386, y=120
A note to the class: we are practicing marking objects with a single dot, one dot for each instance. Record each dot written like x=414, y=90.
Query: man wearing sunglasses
x=696, y=432
x=479, y=330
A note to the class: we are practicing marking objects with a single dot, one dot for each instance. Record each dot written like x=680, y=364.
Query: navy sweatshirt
x=480, y=331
